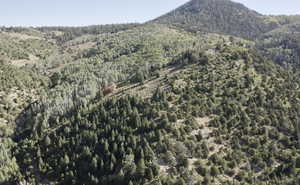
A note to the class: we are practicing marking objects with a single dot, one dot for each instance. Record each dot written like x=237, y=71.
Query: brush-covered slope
x=214, y=115
x=221, y=16
x=282, y=45
x=121, y=57
x=25, y=46
x=18, y=89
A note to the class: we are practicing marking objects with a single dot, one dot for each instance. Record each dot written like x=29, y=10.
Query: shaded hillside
x=220, y=16
x=282, y=45
x=18, y=89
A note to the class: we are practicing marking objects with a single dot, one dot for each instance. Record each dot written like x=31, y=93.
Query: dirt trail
x=146, y=89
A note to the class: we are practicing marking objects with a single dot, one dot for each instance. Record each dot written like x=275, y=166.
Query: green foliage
x=185, y=108
x=123, y=140
x=121, y=151
x=70, y=33
x=282, y=45
x=219, y=16
x=8, y=164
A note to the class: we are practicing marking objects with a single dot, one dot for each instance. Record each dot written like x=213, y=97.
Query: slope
x=282, y=45
x=18, y=89
x=220, y=16
x=223, y=116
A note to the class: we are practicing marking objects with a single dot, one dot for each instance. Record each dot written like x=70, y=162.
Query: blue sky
x=89, y=12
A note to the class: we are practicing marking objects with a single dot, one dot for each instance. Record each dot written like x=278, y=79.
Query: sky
x=91, y=12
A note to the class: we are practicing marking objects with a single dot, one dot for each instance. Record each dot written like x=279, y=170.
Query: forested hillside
x=282, y=45
x=220, y=16
x=207, y=112
x=19, y=89
x=207, y=94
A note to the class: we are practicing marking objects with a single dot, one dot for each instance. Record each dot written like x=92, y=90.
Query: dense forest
x=207, y=94
x=220, y=16
x=282, y=45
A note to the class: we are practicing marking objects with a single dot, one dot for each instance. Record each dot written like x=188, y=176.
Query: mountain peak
x=220, y=16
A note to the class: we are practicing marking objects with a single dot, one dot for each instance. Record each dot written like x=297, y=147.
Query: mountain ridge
x=219, y=16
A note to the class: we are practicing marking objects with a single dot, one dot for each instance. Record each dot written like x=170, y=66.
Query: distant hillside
x=282, y=45
x=220, y=16
x=286, y=19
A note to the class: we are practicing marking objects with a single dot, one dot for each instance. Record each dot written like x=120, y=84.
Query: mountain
x=195, y=97
x=219, y=16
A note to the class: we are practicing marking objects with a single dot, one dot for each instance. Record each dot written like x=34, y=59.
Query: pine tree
x=149, y=173
x=41, y=164
x=66, y=159
x=47, y=141
x=94, y=163
x=106, y=146
x=214, y=171
x=141, y=167
x=165, y=121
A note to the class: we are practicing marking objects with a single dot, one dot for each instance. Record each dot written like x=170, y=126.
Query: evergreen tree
x=141, y=167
